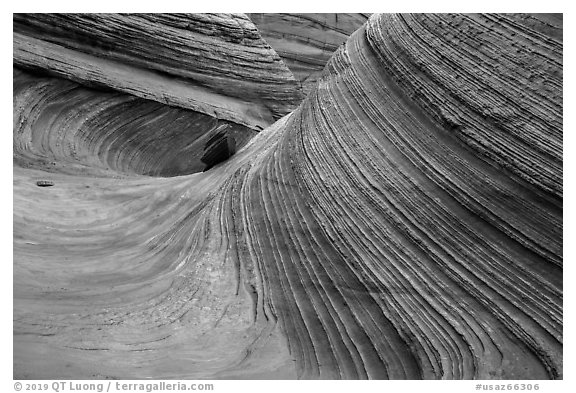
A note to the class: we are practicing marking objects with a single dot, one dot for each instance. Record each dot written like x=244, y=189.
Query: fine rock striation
x=216, y=64
x=404, y=222
x=60, y=126
x=307, y=41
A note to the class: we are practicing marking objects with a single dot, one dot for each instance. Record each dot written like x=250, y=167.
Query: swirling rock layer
x=62, y=126
x=307, y=41
x=215, y=64
x=404, y=222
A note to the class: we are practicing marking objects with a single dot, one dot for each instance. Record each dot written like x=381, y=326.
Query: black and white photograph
x=204, y=197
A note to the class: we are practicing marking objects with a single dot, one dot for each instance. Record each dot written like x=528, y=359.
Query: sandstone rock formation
x=216, y=64
x=404, y=222
x=60, y=126
x=306, y=41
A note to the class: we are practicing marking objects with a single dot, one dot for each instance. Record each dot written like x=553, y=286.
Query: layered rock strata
x=307, y=41
x=404, y=222
x=60, y=126
x=216, y=64
x=429, y=159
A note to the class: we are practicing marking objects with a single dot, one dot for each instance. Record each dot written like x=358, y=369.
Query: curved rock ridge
x=307, y=41
x=368, y=234
x=216, y=64
x=64, y=127
x=491, y=79
x=497, y=87
x=459, y=246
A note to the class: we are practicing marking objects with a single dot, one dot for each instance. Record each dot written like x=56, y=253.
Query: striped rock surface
x=60, y=126
x=216, y=64
x=404, y=222
x=307, y=41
